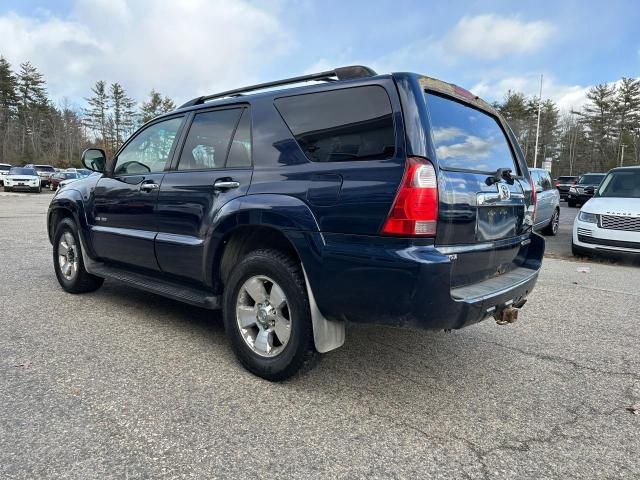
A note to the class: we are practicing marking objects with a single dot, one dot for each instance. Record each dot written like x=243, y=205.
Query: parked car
x=564, y=183
x=57, y=178
x=360, y=198
x=547, y=202
x=610, y=222
x=22, y=178
x=44, y=171
x=584, y=188
x=4, y=170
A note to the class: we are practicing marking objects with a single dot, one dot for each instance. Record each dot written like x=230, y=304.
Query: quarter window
x=240, y=149
x=149, y=151
x=208, y=140
x=341, y=125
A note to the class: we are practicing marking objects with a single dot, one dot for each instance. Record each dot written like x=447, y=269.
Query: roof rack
x=340, y=73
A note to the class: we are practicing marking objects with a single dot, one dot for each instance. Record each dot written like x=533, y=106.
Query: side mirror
x=94, y=159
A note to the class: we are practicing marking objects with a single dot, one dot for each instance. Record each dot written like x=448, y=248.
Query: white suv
x=610, y=221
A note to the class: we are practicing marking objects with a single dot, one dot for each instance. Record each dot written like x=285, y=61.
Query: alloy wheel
x=263, y=316
x=68, y=256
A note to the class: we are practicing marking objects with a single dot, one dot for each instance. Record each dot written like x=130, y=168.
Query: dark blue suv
x=389, y=199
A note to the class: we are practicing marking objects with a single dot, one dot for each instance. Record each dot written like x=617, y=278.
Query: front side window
x=341, y=125
x=623, y=184
x=149, y=151
x=208, y=140
x=467, y=138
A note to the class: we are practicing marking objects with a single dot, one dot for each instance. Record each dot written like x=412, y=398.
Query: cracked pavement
x=125, y=384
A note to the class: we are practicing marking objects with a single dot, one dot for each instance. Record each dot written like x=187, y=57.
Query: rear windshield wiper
x=505, y=174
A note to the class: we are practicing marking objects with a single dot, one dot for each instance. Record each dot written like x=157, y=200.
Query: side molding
x=327, y=334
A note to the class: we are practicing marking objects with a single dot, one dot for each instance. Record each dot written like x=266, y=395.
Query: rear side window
x=208, y=139
x=341, y=125
x=467, y=138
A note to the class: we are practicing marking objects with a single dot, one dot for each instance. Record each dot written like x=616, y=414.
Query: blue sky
x=189, y=47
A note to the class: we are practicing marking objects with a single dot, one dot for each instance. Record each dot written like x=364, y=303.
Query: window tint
x=591, y=179
x=149, y=150
x=341, y=125
x=240, y=149
x=208, y=140
x=467, y=138
x=624, y=184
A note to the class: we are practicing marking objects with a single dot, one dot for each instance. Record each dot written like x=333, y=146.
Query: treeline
x=35, y=130
x=603, y=134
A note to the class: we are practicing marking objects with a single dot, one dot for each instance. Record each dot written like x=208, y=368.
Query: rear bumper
x=411, y=287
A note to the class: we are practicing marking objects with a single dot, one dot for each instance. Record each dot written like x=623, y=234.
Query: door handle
x=225, y=184
x=149, y=187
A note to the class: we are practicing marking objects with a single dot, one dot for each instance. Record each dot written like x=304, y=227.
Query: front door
x=214, y=167
x=123, y=218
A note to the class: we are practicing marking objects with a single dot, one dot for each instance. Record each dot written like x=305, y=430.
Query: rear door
x=213, y=168
x=483, y=216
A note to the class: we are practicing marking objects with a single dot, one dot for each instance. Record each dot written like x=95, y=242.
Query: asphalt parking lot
x=125, y=384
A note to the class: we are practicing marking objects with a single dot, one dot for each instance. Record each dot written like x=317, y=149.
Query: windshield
x=22, y=171
x=44, y=168
x=70, y=175
x=5, y=168
x=566, y=179
x=625, y=184
x=591, y=179
x=467, y=138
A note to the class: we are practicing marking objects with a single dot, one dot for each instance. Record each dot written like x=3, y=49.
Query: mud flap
x=327, y=334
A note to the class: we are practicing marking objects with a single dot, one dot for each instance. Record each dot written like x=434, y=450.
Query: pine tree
x=8, y=109
x=122, y=113
x=156, y=105
x=97, y=115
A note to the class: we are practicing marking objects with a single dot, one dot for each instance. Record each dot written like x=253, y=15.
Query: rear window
x=341, y=125
x=5, y=168
x=467, y=138
x=566, y=179
x=44, y=168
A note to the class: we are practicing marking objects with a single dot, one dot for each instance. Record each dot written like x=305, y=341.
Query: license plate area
x=498, y=221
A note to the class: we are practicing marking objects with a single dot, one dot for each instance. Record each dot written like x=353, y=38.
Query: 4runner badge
x=504, y=192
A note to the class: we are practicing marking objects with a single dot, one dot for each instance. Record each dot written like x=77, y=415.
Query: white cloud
x=491, y=36
x=567, y=97
x=183, y=48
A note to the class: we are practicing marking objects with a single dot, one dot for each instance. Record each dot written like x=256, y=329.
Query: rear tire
x=68, y=262
x=264, y=271
x=552, y=228
x=7, y=189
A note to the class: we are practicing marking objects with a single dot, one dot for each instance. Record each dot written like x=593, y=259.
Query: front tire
x=571, y=203
x=552, y=228
x=68, y=263
x=267, y=316
x=7, y=189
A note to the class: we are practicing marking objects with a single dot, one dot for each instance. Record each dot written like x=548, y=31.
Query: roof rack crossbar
x=341, y=73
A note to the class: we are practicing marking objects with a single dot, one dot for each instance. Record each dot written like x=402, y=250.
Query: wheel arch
x=280, y=222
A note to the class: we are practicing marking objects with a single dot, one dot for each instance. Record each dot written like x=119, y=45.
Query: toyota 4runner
x=389, y=199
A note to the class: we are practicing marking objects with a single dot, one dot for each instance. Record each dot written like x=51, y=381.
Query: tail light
x=415, y=208
x=556, y=183
x=534, y=195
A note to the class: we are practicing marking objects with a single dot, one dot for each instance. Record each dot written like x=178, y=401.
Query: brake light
x=415, y=208
x=534, y=195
